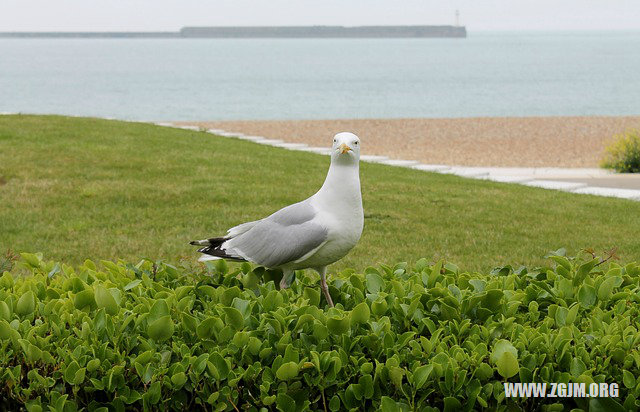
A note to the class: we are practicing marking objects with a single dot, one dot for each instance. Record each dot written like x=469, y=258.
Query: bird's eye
x=355, y=143
x=334, y=140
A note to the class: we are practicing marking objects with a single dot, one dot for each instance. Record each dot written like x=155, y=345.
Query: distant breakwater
x=267, y=32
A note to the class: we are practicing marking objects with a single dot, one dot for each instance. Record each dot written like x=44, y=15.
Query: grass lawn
x=77, y=188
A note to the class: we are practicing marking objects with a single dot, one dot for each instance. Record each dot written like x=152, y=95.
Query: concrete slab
x=466, y=172
x=507, y=179
x=616, y=181
x=252, y=138
x=194, y=128
x=430, y=168
x=609, y=192
x=269, y=142
x=373, y=158
x=554, y=184
x=318, y=150
x=291, y=146
x=400, y=163
x=557, y=173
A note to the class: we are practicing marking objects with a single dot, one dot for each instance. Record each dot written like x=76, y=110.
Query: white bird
x=310, y=234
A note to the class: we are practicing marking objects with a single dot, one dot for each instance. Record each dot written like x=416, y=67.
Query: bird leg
x=287, y=279
x=323, y=285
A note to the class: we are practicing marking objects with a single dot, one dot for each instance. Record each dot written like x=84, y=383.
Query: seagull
x=311, y=234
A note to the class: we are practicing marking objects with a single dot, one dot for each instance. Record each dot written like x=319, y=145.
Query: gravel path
x=491, y=141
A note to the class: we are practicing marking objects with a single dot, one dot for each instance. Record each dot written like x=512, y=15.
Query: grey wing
x=283, y=237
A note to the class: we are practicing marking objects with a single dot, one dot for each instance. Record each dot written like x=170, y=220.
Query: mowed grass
x=78, y=188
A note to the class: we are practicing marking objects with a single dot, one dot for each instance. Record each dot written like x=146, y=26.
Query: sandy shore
x=513, y=141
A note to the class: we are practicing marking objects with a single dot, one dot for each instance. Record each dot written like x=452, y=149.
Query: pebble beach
x=485, y=141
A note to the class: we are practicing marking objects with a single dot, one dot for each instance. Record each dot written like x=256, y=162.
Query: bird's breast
x=344, y=228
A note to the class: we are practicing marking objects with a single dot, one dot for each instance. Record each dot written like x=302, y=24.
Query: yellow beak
x=344, y=148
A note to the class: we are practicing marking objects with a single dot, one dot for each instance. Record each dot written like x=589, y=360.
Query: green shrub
x=153, y=336
x=623, y=155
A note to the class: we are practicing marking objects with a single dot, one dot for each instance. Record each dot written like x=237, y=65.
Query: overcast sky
x=159, y=15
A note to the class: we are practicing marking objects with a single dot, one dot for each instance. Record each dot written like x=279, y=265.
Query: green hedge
x=623, y=154
x=115, y=336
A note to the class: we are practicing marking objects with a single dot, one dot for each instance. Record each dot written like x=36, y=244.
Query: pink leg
x=324, y=286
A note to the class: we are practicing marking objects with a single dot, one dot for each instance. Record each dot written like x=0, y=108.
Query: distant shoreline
x=292, y=32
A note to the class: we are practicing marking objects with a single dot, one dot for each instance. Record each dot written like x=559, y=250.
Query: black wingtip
x=217, y=252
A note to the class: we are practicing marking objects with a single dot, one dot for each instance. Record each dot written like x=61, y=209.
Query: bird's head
x=346, y=148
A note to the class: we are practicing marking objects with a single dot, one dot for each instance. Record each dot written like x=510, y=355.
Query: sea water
x=486, y=74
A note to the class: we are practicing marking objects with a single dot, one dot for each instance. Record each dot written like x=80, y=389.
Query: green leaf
x=78, y=378
x=451, y=404
x=379, y=307
x=606, y=289
x=577, y=367
x=361, y=313
x=104, y=299
x=507, y=365
x=132, y=284
x=268, y=400
x=153, y=393
x=338, y=324
x=70, y=371
x=320, y=331
x=561, y=316
x=572, y=314
x=93, y=365
x=229, y=295
x=562, y=261
x=628, y=379
x=285, y=403
x=334, y=404
x=159, y=309
x=84, y=299
x=26, y=304
x=6, y=281
x=493, y=299
x=365, y=383
x=584, y=270
x=374, y=282
x=421, y=375
x=179, y=379
x=207, y=327
x=605, y=405
x=145, y=357
x=586, y=296
x=287, y=371
x=5, y=330
x=243, y=306
x=500, y=347
x=234, y=318
x=396, y=374
x=189, y=322
x=291, y=354
x=32, y=259
x=161, y=329
x=313, y=295
x=220, y=364
x=389, y=405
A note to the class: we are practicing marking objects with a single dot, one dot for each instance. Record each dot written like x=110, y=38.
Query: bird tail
x=207, y=242
x=212, y=249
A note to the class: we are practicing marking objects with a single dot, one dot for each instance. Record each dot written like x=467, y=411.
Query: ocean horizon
x=488, y=74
